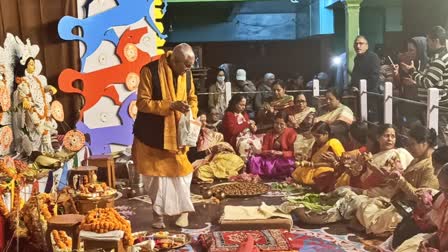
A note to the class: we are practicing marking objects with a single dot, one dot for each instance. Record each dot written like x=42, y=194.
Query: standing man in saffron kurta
x=164, y=94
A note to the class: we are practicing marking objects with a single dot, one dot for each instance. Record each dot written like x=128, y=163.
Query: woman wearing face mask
x=217, y=96
x=276, y=159
x=336, y=110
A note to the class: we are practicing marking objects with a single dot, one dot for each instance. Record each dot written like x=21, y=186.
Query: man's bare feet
x=182, y=221
x=157, y=221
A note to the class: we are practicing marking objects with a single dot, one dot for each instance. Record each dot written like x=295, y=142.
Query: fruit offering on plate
x=143, y=241
x=99, y=189
x=166, y=240
x=161, y=235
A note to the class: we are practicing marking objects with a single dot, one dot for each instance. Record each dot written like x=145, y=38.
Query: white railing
x=316, y=91
x=432, y=103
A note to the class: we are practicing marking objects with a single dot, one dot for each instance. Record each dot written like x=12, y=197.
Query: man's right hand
x=180, y=106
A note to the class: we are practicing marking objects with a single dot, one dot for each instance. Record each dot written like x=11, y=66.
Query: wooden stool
x=82, y=170
x=105, y=161
x=68, y=223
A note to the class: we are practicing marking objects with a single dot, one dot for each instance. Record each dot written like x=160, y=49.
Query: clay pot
x=220, y=195
x=207, y=194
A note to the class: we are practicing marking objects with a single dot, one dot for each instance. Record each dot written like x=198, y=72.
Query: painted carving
x=99, y=27
x=101, y=138
x=100, y=83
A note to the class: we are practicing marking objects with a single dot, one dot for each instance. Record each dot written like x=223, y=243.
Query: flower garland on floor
x=103, y=220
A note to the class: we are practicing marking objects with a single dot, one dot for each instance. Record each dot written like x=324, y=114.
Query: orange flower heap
x=61, y=239
x=103, y=220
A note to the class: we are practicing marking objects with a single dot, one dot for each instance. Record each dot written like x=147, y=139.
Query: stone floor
x=210, y=213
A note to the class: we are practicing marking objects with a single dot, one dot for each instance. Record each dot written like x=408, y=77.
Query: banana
x=48, y=162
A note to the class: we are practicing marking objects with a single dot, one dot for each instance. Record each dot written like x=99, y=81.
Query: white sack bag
x=188, y=130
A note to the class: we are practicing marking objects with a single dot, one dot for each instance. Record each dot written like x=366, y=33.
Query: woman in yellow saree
x=220, y=162
x=321, y=177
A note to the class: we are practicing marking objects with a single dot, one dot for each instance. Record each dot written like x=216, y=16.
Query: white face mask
x=220, y=79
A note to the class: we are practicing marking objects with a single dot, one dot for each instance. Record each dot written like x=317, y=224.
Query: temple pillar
x=352, y=8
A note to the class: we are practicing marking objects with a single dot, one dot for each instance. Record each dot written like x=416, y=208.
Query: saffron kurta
x=163, y=158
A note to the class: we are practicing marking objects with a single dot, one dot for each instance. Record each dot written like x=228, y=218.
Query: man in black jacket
x=367, y=66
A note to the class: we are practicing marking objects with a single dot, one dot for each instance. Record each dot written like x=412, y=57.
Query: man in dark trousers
x=367, y=66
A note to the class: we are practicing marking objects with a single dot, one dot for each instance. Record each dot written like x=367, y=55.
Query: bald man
x=165, y=92
x=367, y=66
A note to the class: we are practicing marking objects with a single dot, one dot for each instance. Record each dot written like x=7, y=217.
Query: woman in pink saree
x=276, y=159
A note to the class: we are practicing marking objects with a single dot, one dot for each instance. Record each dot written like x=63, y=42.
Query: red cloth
x=287, y=140
x=2, y=232
x=229, y=241
x=248, y=245
x=230, y=127
x=355, y=181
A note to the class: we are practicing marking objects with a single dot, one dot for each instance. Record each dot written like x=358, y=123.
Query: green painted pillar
x=351, y=28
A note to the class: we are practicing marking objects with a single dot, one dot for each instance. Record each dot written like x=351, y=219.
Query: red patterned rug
x=265, y=240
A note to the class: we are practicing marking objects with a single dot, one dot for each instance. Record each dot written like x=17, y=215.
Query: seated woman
x=358, y=139
x=387, y=160
x=220, y=160
x=281, y=101
x=375, y=213
x=336, y=110
x=439, y=215
x=305, y=139
x=416, y=223
x=276, y=159
x=213, y=121
x=347, y=167
x=319, y=172
x=193, y=153
x=437, y=218
x=238, y=130
x=420, y=173
x=340, y=130
x=298, y=112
